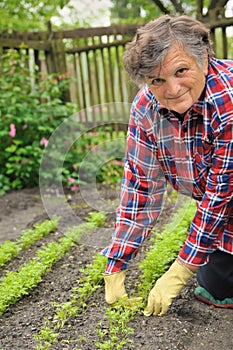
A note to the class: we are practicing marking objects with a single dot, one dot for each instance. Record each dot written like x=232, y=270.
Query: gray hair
x=152, y=41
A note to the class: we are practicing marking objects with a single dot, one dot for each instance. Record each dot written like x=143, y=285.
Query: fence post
x=56, y=59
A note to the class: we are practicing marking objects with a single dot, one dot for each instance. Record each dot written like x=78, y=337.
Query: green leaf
x=11, y=149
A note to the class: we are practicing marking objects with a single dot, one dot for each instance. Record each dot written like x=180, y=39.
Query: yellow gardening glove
x=166, y=288
x=114, y=286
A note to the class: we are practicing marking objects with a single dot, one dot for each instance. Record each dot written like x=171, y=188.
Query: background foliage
x=30, y=109
x=25, y=15
x=34, y=14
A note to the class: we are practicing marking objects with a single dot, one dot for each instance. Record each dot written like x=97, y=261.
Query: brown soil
x=188, y=325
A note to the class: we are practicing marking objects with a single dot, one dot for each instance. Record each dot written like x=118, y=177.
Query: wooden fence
x=93, y=58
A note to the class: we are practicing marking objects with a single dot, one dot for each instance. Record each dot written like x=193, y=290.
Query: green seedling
x=17, y=284
x=96, y=218
x=87, y=285
x=118, y=318
x=9, y=249
x=165, y=248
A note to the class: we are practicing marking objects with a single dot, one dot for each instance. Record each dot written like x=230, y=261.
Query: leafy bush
x=91, y=160
x=31, y=107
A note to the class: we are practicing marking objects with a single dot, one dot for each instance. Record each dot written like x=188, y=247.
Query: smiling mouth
x=177, y=97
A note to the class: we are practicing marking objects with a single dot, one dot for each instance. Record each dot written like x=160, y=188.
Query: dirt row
x=189, y=324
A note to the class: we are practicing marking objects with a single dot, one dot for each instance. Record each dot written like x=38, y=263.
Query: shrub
x=31, y=107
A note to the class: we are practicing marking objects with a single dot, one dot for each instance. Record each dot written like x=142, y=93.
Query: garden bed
x=188, y=325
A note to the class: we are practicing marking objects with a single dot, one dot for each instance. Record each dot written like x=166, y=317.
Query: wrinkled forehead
x=175, y=55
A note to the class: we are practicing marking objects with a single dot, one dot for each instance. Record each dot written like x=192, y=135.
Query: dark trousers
x=217, y=275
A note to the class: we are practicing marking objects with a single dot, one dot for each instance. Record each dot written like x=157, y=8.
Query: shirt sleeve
x=216, y=206
x=142, y=189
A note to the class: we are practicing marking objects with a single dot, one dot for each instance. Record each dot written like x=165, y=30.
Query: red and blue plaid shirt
x=194, y=155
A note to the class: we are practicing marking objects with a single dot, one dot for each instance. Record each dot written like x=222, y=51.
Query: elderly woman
x=180, y=132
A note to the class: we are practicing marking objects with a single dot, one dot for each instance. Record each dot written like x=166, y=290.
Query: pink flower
x=71, y=179
x=74, y=188
x=96, y=109
x=12, y=131
x=62, y=76
x=44, y=142
x=93, y=133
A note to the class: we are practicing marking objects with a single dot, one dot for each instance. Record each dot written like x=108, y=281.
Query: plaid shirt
x=194, y=154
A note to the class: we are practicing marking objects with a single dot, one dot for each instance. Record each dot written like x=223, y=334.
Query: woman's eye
x=181, y=71
x=156, y=81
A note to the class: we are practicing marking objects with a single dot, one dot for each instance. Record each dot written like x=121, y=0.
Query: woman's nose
x=172, y=88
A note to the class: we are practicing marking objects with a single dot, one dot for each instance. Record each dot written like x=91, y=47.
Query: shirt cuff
x=193, y=256
x=114, y=265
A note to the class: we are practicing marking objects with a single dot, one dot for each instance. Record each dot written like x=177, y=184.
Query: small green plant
x=17, y=284
x=118, y=318
x=164, y=250
x=166, y=247
x=96, y=217
x=92, y=278
x=48, y=335
x=87, y=285
x=9, y=249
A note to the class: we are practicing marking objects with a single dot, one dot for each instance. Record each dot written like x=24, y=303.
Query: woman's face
x=179, y=81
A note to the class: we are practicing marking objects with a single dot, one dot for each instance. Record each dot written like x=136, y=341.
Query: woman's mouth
x=177, y=97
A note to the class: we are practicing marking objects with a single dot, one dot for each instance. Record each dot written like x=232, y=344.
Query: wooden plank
x=218, y=23
x=129, y=29
x=106, y=90
x=97, y=46
x=70, y=33
x=224, y=43
x=84, y=106
x=110, y=68
x=90, y=80
x=97, y=31
x=119, y=69
x=18, y=43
